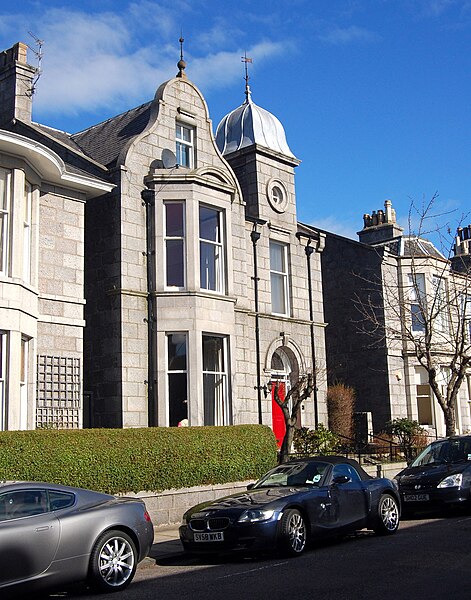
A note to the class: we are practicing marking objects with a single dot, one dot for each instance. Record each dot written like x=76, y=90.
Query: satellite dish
x=169, y=160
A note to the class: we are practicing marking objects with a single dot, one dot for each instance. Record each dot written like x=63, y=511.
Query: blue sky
x=374, y=95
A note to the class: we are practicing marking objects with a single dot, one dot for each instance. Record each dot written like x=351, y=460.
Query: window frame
x=282, y=275
x=171, y=372
x=3, y=379
x=173, y=238
x=5, y=221
x=441, y=319
x=219, y=413
x=417, y=302
x=27, y=231
x=219, y=246
x=185, y=148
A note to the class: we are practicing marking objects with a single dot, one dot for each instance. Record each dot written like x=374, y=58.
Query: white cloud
x=348, y=35
x=333, y=225
x=95, y=61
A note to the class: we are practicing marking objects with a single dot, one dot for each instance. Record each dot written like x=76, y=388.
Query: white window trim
x=285, y=278
x=223, y=416
x=220, y=270
x=27, y=231
x=176, y=371
x=179, y=141
x=5, y=210
x=417, y=284
x=170, y=238
x=3, y=379
x=24, y=369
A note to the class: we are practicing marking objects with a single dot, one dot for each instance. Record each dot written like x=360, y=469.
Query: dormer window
x=185, y=149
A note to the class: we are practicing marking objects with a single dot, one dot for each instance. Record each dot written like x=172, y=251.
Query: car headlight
x=451, y=481
x=255, y=516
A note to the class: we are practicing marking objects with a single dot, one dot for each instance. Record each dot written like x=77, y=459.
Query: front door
x=278, y=420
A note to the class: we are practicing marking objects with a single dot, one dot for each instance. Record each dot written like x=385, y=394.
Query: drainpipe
x=255, y=236
x=148, y=197
x=308, y=249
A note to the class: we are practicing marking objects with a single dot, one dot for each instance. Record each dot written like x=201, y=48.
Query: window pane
x=183, y=155
x=176, y=344
x=209, y=267
x=276, y=257
x=278, y=300
x=213, y=353
x=175, y=262
x=209, y=224
x=417, y=318
x=177, y=378
x=177, y=394
x=174, y=219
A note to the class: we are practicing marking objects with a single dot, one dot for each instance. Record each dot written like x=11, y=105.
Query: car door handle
x=44, y=528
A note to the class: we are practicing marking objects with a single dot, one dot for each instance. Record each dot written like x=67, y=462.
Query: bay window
x=417, y=301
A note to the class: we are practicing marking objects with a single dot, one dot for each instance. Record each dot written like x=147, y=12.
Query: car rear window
x=59, y=500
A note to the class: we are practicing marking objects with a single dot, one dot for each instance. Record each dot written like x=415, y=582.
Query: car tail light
x=147, y=516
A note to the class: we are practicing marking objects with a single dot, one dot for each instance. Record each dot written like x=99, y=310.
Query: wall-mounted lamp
x=398, y=375
x=266, y=388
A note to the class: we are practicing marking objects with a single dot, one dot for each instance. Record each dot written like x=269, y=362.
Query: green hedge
x=133, y=460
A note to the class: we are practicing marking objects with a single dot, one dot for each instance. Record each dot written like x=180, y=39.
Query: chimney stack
x=380, y=226
x=16, y=85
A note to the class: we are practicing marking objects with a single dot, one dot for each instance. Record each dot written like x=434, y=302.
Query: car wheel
x=113, y=561
x=293, y=535
x=388, y=515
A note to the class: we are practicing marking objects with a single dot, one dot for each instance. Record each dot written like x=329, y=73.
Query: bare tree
x=422, y=304
x=290, y=405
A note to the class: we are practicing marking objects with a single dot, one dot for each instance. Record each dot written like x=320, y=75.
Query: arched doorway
x=283, y=364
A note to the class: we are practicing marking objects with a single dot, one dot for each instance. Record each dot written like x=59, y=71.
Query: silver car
x=54, y=534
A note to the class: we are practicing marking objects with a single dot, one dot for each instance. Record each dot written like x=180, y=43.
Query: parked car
x=54, y=534
x=439, y=477
x=293, y=503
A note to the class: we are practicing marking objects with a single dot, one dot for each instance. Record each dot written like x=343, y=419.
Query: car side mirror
x=250, y=486
x=341, y=479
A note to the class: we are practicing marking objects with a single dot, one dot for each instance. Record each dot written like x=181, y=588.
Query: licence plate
x=218, y=536
x=416, y=497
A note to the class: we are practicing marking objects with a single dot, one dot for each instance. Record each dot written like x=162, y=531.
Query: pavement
x=166, y=545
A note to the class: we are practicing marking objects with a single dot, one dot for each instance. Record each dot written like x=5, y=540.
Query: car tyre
x=113, y=562
x=388, y=515
x=293, y=532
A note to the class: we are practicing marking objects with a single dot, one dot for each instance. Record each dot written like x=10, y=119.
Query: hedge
x=133, y=460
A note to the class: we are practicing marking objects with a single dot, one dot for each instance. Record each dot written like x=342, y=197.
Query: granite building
x=171, y=282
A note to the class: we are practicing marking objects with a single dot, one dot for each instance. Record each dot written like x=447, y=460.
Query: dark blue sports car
x=293, y=503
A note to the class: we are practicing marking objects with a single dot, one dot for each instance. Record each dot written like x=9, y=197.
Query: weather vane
x=245, y=59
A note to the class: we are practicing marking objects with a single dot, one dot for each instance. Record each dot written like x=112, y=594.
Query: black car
x=439, y=477
x=293, y=503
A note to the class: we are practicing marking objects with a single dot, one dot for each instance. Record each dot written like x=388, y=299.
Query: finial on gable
x=181, y=63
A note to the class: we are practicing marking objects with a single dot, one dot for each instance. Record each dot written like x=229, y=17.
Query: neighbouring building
x=43, y=190
x=170, y=280
x=375, y=292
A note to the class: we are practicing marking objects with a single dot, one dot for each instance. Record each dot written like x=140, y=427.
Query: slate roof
x=104, y=142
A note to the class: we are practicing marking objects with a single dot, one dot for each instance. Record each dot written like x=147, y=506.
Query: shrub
x=133, y=460
x=315, y=441
x=340, y=407
x=410, y=435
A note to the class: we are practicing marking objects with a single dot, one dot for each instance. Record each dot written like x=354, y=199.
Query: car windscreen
x=292, y=474
x=445, y=451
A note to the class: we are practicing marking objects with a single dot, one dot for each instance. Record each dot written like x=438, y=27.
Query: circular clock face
x=277, y=195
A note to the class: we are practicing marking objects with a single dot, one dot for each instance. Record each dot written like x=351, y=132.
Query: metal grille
x=215, y=524
x=58, y=392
